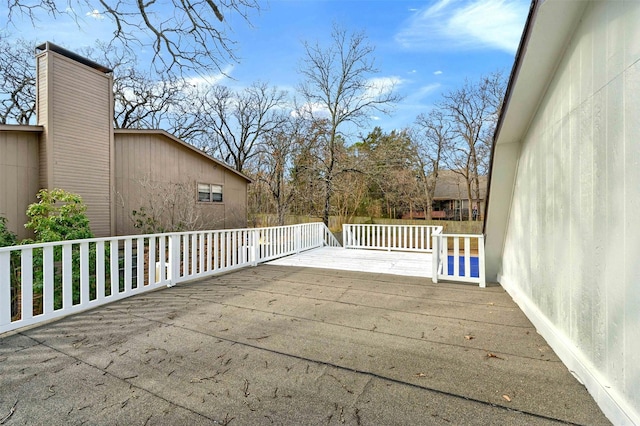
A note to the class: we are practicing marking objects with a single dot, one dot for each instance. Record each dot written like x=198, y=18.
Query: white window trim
x=211, y=192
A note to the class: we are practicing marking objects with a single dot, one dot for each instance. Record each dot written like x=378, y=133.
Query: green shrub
x=7, y=238
x=58, y=216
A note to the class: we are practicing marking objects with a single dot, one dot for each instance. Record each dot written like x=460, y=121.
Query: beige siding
x=236, y=200
x=42, y=100
x=78, y=117
x=19, y=175
x=157, y=173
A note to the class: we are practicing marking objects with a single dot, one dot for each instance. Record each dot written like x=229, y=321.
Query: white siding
x=572, y=245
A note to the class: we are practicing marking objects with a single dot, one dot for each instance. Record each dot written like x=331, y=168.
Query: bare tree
x=337, y=87
x=182, y=34
x=473, y=110
x=17, y=82
x=431, y=137
x=141, y=102
x=240, y=121
x=306, y=172
x=275, y=159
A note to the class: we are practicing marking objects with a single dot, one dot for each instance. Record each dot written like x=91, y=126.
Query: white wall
x=572, y=248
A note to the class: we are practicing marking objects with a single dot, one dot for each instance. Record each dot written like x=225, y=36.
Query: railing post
x=345, y=242
x=481, y=273
x=435, y=257
x=26, y=283
x=255, y=253
x=174, y=259
x=84, y=273
x=5, y=288
x=298, y=238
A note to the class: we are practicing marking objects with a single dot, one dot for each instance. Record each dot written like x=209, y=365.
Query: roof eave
x=549, y=26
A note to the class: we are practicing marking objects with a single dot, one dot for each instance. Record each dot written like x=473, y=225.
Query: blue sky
x=426, y=47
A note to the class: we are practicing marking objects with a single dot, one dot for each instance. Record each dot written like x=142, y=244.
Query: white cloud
x=211, y=79
x=437, y=72
x=412, y=72
x=466, y=25
x=311, y=110
x=380, y=86
x=95, y=14
x=374, y=118
x=426, y=90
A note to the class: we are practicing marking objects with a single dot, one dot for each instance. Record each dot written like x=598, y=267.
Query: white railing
x=39, y=282
x=458, y=257
x=389, y=237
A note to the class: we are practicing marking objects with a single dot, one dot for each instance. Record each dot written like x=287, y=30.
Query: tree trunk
x=327, y=203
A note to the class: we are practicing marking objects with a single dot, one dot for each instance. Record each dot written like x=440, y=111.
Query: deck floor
x=288, y=345
x=412, y=264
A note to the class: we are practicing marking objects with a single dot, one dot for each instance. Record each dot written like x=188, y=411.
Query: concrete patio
x=293, y=345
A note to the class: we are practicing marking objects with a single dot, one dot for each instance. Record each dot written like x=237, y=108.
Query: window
x=209, y=193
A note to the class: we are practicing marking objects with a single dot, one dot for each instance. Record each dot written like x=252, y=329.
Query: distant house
x=75, y=147
x=562, y=226
x=451, y=197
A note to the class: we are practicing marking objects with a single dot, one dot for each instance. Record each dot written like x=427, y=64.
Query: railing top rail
x=127, y=237
x=392, y=225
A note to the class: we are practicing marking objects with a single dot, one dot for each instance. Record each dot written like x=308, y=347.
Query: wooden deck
x=410, y=264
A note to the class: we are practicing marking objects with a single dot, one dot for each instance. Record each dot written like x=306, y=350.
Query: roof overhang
x=20, y=128
x=546, y=34
x=549, y=26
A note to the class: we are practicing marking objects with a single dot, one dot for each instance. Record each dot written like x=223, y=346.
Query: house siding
x=573, y=236
x=42, y=107
x=150, y=167
x=19, y=177
x=77, y=143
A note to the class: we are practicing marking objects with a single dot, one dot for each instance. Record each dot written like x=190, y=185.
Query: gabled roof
x=182, y=143
x=451, y=185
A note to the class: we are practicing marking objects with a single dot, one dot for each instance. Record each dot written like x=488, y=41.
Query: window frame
x=214, y=190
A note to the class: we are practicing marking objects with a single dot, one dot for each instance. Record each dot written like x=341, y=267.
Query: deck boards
x=410, y=264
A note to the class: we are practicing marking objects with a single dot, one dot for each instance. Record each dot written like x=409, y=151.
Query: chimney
x=74, y=104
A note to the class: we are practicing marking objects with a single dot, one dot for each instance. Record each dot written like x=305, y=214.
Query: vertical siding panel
x=573, y=234
x=19, y=176
x=632, y=229
x=42, y=112
x=615, y=226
